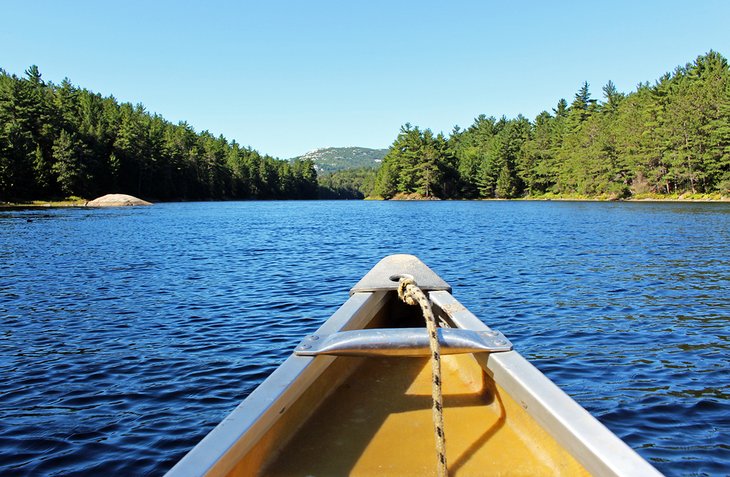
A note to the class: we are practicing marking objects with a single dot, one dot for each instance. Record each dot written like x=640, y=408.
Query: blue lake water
x=127, y=334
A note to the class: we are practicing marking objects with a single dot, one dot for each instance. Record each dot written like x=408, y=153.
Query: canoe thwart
x=385, y=275
x=402, y=342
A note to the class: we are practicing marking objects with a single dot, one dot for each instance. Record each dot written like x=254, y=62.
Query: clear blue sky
x=286, y=77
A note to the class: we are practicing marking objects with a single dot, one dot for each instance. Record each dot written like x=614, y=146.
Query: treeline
x=61, y=140
x=347, y=184
x=671, y=137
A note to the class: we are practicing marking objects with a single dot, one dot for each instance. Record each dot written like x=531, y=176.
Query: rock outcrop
x=116, y=200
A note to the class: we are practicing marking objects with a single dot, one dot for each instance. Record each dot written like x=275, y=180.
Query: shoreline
x=43, y=204
x=51, y=204
x=688, y=198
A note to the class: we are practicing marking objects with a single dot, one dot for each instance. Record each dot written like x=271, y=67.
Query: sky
x=287, y=77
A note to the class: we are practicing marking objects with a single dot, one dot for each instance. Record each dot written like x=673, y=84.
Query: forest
x=669, y=139
x=63, y=141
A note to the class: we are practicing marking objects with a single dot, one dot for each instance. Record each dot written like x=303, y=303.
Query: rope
x=410, y=293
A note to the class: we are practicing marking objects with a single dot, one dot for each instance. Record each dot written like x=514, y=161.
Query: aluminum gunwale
x=598, y=449
x=233, y=437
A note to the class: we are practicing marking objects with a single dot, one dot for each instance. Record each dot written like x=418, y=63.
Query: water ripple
x=127, y=334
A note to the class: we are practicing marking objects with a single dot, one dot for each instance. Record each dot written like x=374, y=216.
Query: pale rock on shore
x=116, y=200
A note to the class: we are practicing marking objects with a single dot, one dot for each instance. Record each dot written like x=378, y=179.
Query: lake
x=128, y=333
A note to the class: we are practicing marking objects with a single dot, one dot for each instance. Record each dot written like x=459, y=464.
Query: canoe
x=355, y=398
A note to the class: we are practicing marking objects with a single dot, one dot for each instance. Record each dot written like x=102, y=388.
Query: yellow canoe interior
x=372, y=416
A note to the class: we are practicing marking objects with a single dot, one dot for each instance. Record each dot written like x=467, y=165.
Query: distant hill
x=330, y=159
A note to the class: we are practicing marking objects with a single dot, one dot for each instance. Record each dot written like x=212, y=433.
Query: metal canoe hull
x=337, y=415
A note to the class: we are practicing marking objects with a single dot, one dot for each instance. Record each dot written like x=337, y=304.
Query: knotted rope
x=410, y=293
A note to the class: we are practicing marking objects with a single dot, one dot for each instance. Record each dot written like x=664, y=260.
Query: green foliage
x=669, y=138
x=347, y=184
x=68, y=164
x=417, y=162
x=60, y=140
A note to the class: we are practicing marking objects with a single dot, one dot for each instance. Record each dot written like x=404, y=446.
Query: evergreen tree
x=537, y=161
x=582, y=105
x=68, y=166
x=719, y=153
x=427, y=171
x=613, y=98
x=669, y=137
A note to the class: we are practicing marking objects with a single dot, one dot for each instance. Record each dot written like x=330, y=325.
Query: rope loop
x=406, y=294
x=409, y=292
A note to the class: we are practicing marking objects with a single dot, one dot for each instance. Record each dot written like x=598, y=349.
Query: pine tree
x=613, y=98
x=68, y=165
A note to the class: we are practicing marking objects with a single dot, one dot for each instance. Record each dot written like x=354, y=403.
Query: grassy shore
x=69, y=202
x=686, y=197
x=647, y=197
x=644, y=197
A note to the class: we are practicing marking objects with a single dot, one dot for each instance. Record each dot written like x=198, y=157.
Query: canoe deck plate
x=385, y=275
x=402, y=342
